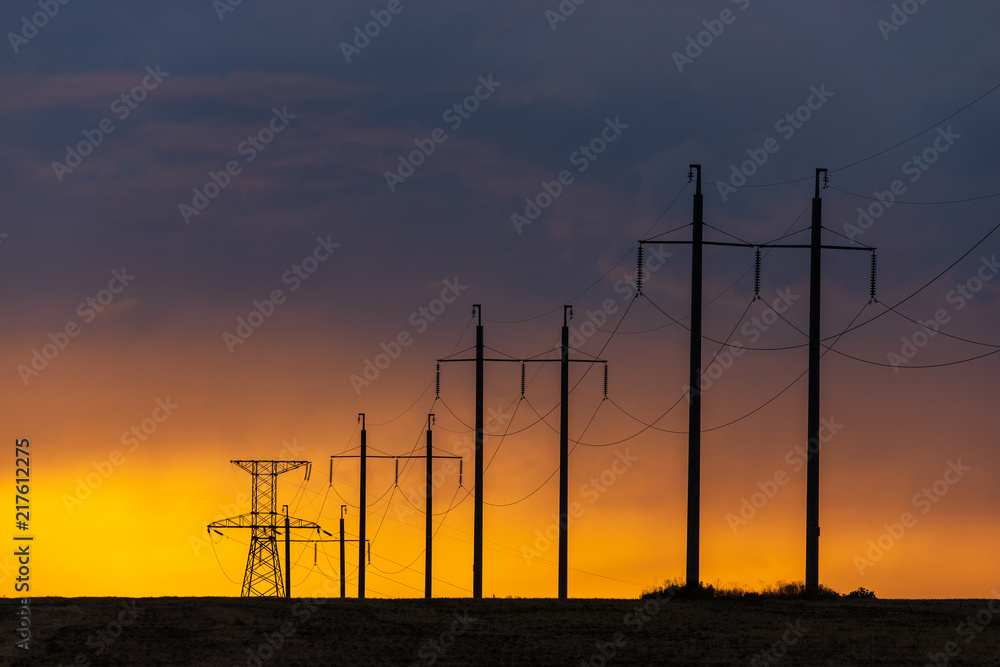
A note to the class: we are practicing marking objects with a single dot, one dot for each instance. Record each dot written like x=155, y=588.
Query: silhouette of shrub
x=861, y=592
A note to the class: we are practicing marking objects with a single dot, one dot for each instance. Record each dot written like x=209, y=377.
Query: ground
x=237, y=631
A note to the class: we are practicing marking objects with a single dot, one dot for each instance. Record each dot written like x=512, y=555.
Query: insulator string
x=638, y=272
x=874, y=274
x=756, y=276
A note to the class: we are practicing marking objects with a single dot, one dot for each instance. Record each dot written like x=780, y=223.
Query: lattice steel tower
x=263, y=576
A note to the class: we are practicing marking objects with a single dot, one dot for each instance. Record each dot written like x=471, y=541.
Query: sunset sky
x=217, y=217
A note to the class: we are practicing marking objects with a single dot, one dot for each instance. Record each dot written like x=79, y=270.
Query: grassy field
x=660, y=630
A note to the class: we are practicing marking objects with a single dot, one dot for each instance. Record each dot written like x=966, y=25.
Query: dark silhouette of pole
x=564, y=457
x=812, y=472
x=364, y=507
x=812, y=465
x=477, y=557
x=288, y=554
x=477, y=584
x=429, y=501
x=343, y=561
x=694, y=396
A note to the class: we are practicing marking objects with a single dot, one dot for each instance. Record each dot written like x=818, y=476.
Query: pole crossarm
x=389, y=456
x=252, y=521
x=763, y=245
x=279, y=467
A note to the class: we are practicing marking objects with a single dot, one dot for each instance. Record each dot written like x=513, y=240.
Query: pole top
x=826, y=179
x=691, y=169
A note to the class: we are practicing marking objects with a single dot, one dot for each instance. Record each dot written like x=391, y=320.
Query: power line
x=920, y=203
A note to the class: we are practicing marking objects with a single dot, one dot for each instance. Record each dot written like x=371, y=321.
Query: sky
x=229, y=229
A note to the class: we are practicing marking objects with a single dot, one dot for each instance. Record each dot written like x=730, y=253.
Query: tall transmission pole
x=429, y=511
x=815, y=341
x=363, y=504
x=564, y=361
x=564, y=457
x=263, y=577
x=694, y=395
x=429, y=456
x=477, y=548
x=812, y=421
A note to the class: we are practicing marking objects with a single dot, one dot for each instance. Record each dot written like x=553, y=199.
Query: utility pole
x=694, y=395
x=694, y=414
x=812, y=421
x=564, y=360
x=288, y=554
x=262, y=576
x=343, y=560
x=429, y=457
x=429, y=506
x=477, y=548
x=564, y=456
x=363, y=512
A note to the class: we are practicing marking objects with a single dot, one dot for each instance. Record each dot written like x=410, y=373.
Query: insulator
x=437, y=381
x=756, y=276
x=522, y=379
x=460, y=462
x=826, y=180
x=605, y=380
x=690, y=174
x=874, y=270
x=638, y=272
x=397, y=472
